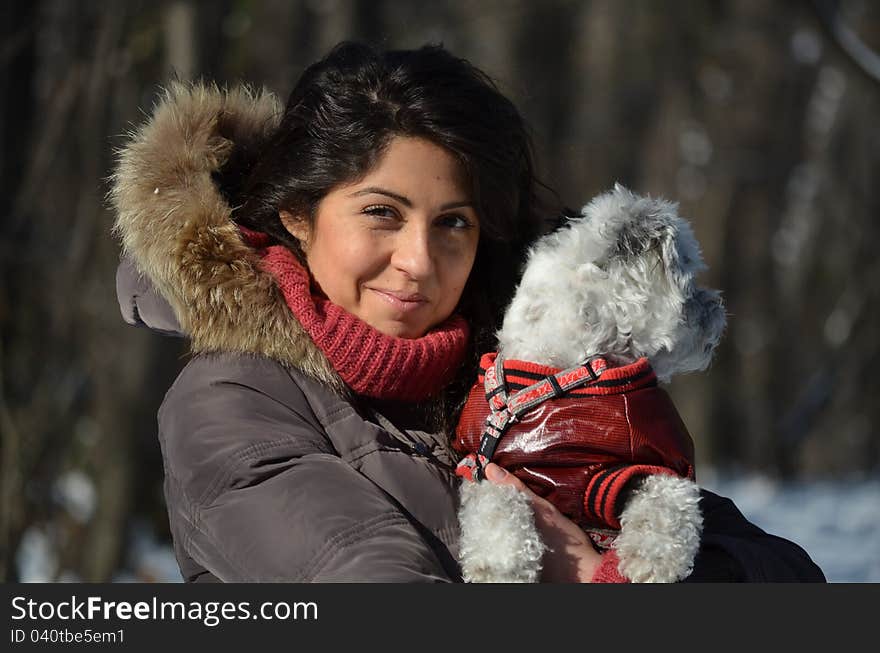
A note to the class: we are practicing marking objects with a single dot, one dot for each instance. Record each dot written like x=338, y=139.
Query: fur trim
x=499, y=540
x=620, y=281
x=660, y=530
x=175, y=225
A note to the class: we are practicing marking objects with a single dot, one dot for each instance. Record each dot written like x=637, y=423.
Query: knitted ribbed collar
x=369, y=362
x=519, y=374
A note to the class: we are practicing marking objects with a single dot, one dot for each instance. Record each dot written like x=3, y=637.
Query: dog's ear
x=651, y=258
x=638, y=229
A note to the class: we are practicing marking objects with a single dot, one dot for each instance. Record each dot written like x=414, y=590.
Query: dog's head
x=617, y=280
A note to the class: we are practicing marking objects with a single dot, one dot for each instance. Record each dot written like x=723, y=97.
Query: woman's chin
x=398, y=328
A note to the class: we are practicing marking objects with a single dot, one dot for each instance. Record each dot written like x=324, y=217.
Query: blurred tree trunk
x=17, y=63
x=178, y=27
x=70, y=378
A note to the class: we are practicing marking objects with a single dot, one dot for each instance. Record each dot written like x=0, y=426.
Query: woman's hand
x=571, y=557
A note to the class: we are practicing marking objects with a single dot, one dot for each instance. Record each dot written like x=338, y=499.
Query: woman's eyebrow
x=405, y=200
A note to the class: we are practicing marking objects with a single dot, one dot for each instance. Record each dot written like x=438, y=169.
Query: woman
x=338, y=273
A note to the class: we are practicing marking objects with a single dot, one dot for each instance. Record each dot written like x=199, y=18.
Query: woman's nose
x=412, y=252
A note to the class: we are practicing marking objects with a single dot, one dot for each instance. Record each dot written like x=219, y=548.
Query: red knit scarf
x=371, y=363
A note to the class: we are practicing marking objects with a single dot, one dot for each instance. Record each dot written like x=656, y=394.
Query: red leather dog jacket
x=581, y=449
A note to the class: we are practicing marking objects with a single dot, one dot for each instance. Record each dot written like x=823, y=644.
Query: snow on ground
x=836, y=522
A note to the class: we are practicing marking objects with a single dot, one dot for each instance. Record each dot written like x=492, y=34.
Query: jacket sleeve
x=257, y=493
x=735, y=550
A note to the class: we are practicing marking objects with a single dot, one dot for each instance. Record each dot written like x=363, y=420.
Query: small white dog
x=616, y=281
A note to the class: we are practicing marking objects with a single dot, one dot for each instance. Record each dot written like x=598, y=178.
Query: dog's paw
x=499, y=540
x=660, y=530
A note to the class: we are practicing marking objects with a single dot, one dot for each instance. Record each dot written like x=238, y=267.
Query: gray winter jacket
x=271, y=478
x=273, y=471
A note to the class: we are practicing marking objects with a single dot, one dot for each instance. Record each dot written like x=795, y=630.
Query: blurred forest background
x=760, y=118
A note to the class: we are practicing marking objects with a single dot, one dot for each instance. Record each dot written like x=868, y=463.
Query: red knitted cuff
x=607, y=571
x=602, y=495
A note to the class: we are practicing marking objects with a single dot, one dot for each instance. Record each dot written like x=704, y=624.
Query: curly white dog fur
x=660, y=530
x=619, y=280
x=499, y=540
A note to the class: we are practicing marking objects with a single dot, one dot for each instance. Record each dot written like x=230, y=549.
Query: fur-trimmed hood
x=175, y=225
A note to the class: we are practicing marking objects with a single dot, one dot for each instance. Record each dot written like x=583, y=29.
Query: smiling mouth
x=403, y=302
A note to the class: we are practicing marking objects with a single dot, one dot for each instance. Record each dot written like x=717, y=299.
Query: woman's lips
x=402, y=301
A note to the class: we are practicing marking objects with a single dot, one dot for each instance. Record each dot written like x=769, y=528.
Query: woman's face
x=396, y=247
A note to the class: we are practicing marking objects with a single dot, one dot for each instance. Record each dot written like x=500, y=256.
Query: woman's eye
x=381, y=212
x=455, y=221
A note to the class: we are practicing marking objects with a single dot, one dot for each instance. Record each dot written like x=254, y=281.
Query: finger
x=500, y=476
x=546, y=514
